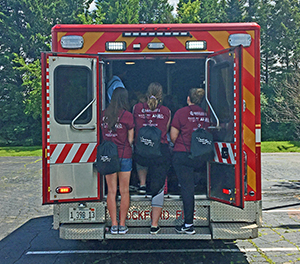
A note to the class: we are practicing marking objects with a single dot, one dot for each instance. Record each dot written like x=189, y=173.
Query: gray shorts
x=140, y=167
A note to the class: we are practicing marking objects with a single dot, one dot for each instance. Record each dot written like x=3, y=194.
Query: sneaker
x=154, y=230
x=185, y=230
x=114, y=230
x=142, y=189
x=123, y=230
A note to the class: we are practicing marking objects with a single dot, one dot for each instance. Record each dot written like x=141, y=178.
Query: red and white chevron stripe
x=73, y=153
x=218, y=153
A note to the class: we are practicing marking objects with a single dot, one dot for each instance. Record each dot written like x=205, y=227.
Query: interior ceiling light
x=170, y=62
x=129, y=62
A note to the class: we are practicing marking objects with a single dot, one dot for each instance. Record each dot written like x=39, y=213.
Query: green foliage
x=31, y=76
x=133, y=11
x=189, y=12
x=120, y=12
x=25, y=27
x=235, y=10
x=155, y=11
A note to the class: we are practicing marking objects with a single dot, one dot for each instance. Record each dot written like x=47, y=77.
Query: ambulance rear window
x=72, y=93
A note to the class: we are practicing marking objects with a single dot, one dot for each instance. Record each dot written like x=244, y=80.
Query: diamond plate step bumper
x=97, y=231
x=82, y=231
x=202, y=233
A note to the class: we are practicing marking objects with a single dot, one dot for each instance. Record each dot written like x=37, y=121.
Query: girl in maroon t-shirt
x=186, y=120
x=118, y=127
x=154, y=114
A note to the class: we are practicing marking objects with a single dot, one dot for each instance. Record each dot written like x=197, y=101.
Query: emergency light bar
x=156, y=34
x=195, y=45
x=115, y=46
x=72, y=42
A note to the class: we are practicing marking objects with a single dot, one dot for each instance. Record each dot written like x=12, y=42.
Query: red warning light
x=227, y=191
x=64, y=189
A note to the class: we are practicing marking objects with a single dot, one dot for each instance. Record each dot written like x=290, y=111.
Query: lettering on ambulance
x=180, y=214
x=147, y=214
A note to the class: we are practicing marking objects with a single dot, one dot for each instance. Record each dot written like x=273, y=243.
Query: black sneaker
x=142, y=189
x=154, y=230
x=185, y=230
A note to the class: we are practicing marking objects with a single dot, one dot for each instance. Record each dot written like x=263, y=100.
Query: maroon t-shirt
x=159, y=118
x=120, y=135
x=187, y=120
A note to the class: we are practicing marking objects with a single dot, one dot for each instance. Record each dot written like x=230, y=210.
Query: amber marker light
x=64, y=189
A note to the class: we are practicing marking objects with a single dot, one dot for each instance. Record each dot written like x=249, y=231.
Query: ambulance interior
x=177, y=76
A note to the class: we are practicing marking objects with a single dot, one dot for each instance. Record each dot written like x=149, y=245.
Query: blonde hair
x=196, y=95
x=154, y=95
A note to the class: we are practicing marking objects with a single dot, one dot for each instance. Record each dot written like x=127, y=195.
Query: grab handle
x=80, y=127
x=206, y=97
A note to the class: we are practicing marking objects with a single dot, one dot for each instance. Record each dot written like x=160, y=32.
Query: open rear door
x=70, y=132
x=224, y=98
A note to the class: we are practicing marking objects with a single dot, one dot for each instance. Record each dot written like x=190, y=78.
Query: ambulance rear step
x=216, y=231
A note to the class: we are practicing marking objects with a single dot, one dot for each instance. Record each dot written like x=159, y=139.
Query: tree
x=188, y=12
x=285, y=106
x=119, y=12
x=25, y=27
x=155, y=11
x=286, y=30
x=212, y=11
x=235, y=10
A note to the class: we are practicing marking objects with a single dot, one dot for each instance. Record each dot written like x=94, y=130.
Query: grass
x=266, y=147
x=20, y=151
x=280, y=146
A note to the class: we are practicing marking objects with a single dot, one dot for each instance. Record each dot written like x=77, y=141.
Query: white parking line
x=282, y=211
x=199, y=250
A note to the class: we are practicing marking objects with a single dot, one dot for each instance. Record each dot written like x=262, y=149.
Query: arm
x=130, y=136
x=168, y=125
x=174, y=134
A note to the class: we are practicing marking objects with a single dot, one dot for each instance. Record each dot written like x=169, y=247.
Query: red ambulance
x=224, y=59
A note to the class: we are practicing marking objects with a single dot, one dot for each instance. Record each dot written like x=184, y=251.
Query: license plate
x=82, y=214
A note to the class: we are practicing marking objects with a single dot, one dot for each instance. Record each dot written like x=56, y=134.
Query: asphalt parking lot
x=26, y=234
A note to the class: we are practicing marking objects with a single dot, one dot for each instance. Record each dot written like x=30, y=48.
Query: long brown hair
x=119, y=101
x=154, y=95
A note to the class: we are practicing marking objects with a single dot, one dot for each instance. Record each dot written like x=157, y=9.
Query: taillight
x=64, y=189
x=227, y=191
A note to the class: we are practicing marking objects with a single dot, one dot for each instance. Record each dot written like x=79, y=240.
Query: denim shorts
x=126, y=164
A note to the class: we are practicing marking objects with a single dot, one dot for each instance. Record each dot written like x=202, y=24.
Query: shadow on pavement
x=37, y=242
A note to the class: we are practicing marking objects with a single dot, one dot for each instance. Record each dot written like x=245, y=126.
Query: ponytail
x=196, y=95
x=154, y=95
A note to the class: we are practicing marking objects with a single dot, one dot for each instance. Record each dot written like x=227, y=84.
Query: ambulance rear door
x=70, y=131
x=225, y=104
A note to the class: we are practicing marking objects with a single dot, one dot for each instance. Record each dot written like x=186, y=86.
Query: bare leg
x=124, y=178
x=112, y=182
x=156, y=212
x=142, y=176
